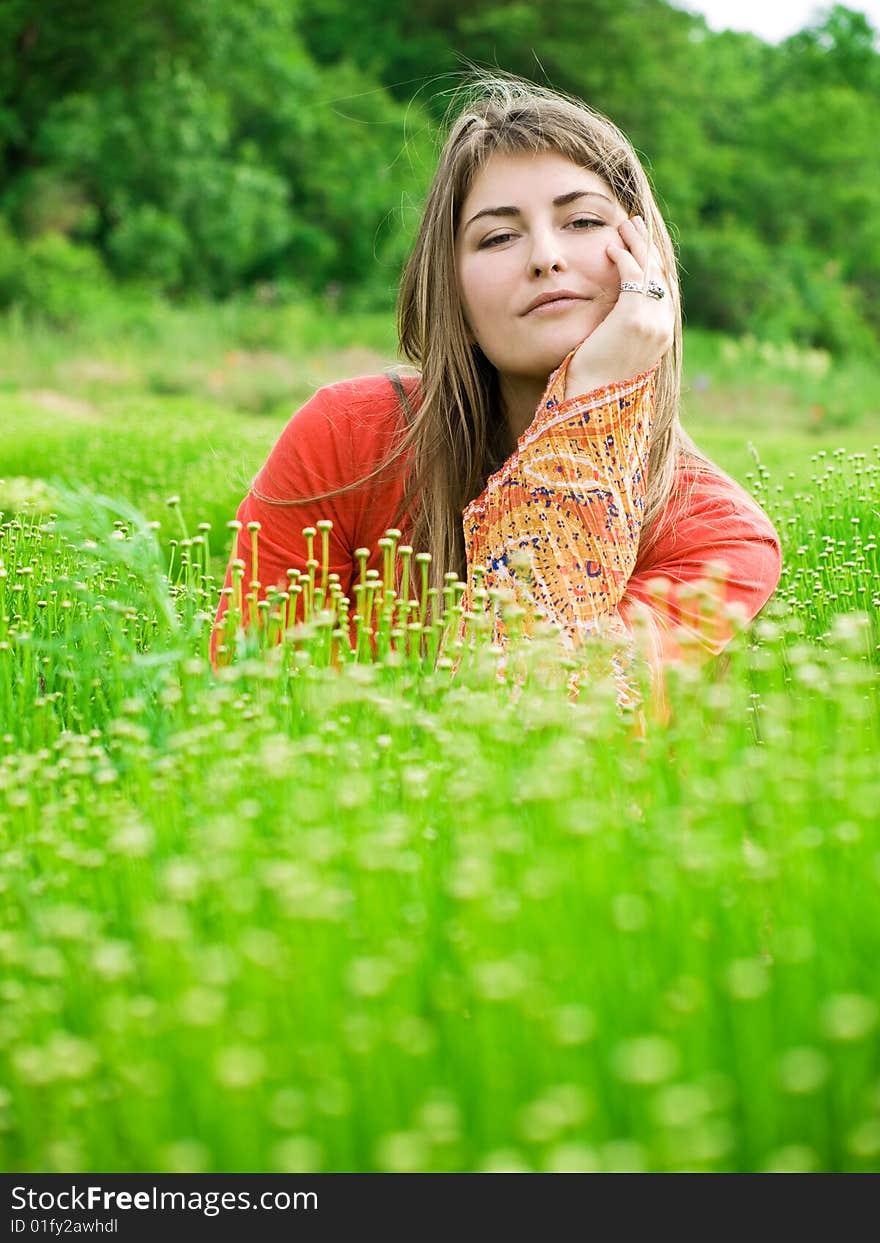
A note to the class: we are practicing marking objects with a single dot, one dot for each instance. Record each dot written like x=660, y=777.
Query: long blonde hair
x=456, y=434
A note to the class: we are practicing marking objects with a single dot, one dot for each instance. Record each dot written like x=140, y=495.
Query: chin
x=537, y=359
x=554, y=355
x=567, y=337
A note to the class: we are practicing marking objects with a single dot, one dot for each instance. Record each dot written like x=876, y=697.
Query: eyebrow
x=561, y=201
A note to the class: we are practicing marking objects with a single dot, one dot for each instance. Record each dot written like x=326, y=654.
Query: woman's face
x=530, y=225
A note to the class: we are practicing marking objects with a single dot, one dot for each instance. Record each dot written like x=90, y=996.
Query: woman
x=540, y=438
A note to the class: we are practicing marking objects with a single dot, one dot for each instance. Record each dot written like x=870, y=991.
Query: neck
x=519, y=401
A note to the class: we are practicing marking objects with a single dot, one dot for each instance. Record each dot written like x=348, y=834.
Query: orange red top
x=559, y=524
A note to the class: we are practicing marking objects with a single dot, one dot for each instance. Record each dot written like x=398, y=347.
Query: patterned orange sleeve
x=558, y=526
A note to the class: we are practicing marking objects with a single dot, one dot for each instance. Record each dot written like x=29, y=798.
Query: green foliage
x=209, y=146
x=841, y=50
x=208, y=155
x=735, y=282
x=51, y=277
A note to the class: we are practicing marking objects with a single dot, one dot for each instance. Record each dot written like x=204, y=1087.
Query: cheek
x=480, y=291
x=468, y=287
x=596, y=256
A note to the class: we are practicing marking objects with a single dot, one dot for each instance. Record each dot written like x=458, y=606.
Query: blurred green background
x=280, y=149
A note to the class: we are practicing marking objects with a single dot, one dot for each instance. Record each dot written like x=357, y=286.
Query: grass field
x=301, y=917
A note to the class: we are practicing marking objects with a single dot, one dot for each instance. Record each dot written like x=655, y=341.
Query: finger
x=656, y=266
x=628, y=267
x=646, y=251
x=635, y=240
x=630, y=270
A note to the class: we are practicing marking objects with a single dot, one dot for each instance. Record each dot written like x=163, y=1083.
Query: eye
x=587, y=221
x=490, y=241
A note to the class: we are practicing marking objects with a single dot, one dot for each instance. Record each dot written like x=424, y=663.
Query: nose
x=546, y=252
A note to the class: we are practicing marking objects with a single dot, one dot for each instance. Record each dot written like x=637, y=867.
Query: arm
x=712, y=570
x=559, y=524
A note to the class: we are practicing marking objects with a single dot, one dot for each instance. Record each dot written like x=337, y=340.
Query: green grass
x=405, y=916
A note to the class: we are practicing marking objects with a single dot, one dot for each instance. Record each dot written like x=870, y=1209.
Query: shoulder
x=702, y=492
x=343, y=431
x=364, y=405
x=372, y=389
x=708, y=519
x=709, y=516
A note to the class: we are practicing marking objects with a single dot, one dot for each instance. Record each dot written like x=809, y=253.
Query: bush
x=51, y=277
x=42, y=200
x=736, y=283
x=149, y=243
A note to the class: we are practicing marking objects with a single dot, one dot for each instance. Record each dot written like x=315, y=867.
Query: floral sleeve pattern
x=558, y=525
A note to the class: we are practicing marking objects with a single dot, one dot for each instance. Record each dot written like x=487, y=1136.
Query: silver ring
x=653, y=291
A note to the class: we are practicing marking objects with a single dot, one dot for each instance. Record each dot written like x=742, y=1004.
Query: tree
x=203, y=146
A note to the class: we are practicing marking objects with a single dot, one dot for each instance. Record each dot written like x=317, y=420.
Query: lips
x=555, y=295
